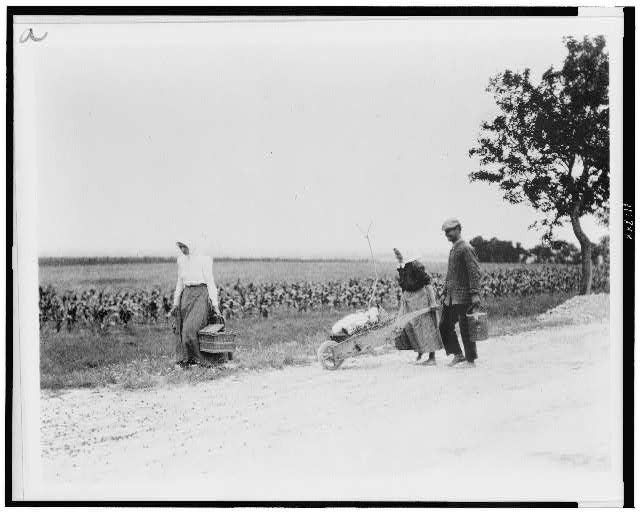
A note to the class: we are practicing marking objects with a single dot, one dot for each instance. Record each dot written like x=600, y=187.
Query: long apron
x=193, y=316
x=416, y=325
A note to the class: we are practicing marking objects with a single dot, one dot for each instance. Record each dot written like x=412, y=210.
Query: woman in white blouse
x=195, y=295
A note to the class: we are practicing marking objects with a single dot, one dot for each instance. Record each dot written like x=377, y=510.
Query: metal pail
x=478, y=326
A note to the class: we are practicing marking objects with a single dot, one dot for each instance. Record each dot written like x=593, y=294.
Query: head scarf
x=196, y=244
x=188, y=243
x=402, y=261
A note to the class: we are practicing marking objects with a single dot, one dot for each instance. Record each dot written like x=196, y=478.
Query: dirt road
x=530, y=421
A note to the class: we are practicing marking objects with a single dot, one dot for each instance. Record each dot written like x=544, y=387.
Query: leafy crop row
x=99, y=310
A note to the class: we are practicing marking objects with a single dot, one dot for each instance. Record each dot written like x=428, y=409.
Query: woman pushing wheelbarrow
x=416, y=326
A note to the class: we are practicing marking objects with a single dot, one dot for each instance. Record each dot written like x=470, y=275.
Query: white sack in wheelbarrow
x=354, y=322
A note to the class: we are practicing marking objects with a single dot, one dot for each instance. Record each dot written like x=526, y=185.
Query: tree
x=565, y=252
x=602, y=249
x=497, y=251
x=523, y=254
x=549, y=144
x=556, y=251
x=542, y=252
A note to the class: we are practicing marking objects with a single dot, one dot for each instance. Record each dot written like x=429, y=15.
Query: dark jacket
x=463, y=274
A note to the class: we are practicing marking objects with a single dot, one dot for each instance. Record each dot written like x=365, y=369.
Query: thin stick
x=375, y=268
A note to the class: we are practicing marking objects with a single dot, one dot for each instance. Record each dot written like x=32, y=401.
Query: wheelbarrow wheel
x=326, y=356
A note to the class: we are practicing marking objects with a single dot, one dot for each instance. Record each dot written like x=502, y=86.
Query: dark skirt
x=193, y=315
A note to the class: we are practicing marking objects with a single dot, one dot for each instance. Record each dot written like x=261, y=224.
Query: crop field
x=133, y=276
x=105, y=296
x=105, y=324
x=136, y=276
x=163, y=275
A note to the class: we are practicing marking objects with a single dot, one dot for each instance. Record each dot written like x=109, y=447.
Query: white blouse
x=195, y=269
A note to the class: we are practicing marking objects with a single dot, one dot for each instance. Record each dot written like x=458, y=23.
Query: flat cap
x=450, y=224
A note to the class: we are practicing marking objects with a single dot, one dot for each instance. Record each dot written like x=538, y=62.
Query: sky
x=272, y=138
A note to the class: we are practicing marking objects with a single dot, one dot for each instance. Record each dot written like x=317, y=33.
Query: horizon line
x=162, y=259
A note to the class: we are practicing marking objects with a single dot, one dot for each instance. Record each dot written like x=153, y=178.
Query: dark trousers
x=450, y=315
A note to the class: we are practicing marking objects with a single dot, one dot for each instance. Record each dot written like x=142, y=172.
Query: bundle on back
x=413, y=276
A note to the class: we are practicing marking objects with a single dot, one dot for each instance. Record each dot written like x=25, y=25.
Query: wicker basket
x=214, y=341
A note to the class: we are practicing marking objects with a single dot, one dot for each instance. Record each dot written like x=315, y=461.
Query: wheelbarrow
x=333, y=352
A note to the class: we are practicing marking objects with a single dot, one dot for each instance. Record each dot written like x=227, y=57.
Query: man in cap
x=461, y=291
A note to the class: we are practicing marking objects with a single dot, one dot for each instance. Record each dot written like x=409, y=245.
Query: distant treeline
x=101, y=260
x=489, y=251
x=115, y=260
x=556, y=251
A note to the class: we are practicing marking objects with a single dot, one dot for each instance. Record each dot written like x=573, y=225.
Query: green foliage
x=135, y=276
x=549, y=145
x=501, y=251
x=557, y=251
x=102, y=310
x=497, y=251
x=601, y=249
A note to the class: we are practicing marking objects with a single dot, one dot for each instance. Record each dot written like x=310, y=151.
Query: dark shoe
x=457, y=359
x=419, y=356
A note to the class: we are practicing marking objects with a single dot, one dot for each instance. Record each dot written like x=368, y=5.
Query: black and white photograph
x=317, y=257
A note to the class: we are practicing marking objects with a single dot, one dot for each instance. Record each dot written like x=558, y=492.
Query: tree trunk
x=585, y=251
